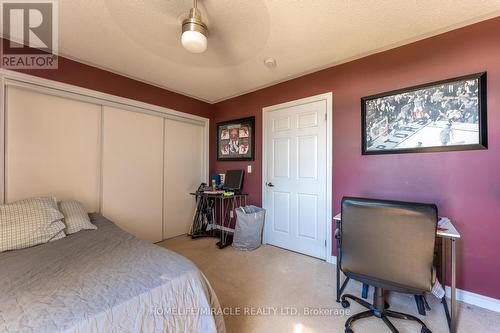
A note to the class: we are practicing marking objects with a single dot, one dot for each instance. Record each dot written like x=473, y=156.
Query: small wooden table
x=451, y=234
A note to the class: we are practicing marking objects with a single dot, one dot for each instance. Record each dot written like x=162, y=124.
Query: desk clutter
x=222, y=212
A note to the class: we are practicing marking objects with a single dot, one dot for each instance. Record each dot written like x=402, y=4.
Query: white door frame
x=328, y=97
x=50, y=87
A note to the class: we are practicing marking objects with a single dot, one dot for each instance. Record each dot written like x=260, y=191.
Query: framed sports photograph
x=236, y=140
x=446, y=115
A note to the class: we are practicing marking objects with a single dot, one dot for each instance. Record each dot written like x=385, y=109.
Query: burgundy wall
x=465, y=185
x=89, y=77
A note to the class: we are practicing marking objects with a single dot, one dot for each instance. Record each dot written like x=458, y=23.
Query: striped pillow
x=75, y=217
x=29, y=222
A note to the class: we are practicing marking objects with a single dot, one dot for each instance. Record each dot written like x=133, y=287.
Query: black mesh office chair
x=388, y=245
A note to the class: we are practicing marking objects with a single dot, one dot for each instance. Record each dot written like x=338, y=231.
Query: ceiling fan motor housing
x=194, y=22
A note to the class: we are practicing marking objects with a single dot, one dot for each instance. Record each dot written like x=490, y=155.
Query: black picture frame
x=481, y=96
x=225, y=147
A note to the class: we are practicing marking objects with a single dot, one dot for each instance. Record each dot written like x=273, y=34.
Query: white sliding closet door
x=52, y=147
x=184, y=172
x=132, y=172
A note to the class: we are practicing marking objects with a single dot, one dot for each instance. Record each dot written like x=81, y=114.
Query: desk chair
x=421, y=302
x=388, y=245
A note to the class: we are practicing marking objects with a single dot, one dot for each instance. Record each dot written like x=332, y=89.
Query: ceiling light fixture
x=194, y=31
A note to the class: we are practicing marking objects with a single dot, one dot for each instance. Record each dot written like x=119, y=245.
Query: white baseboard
x=465, y=296
x=468, y=297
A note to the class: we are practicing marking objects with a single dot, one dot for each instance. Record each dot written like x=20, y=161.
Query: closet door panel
x=52, y=147
x=132, y=172
x=183, y=174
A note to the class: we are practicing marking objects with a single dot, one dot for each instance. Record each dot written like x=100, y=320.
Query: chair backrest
x=389, y=244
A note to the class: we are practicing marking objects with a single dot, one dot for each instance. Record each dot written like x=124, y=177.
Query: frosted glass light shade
x=194, y=41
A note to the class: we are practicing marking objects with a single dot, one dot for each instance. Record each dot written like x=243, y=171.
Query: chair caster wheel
x=345, y=304
x=348, y=330
x=425, y=330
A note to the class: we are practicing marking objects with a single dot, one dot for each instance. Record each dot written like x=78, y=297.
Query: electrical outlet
x=249, y=169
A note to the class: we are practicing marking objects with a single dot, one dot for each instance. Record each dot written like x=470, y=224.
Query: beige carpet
x=272, y=279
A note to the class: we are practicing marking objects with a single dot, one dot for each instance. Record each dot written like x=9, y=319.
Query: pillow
x=29, y=222
x=75, y=217
x=59, y=235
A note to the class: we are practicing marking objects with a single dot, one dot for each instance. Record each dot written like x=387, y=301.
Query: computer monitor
x=233, y=180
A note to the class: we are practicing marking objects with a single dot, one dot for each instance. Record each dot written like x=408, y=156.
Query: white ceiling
x=141, y=38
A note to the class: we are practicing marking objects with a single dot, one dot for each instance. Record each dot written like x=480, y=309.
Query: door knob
x=270, y=184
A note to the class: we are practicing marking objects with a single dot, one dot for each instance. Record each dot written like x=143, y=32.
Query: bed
x=104, y=280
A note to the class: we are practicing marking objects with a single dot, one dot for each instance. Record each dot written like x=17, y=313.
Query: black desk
x=221, y=214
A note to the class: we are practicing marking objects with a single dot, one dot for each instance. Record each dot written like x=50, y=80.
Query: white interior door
x=296, y=177
x=184, y=144
x=132, y=172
